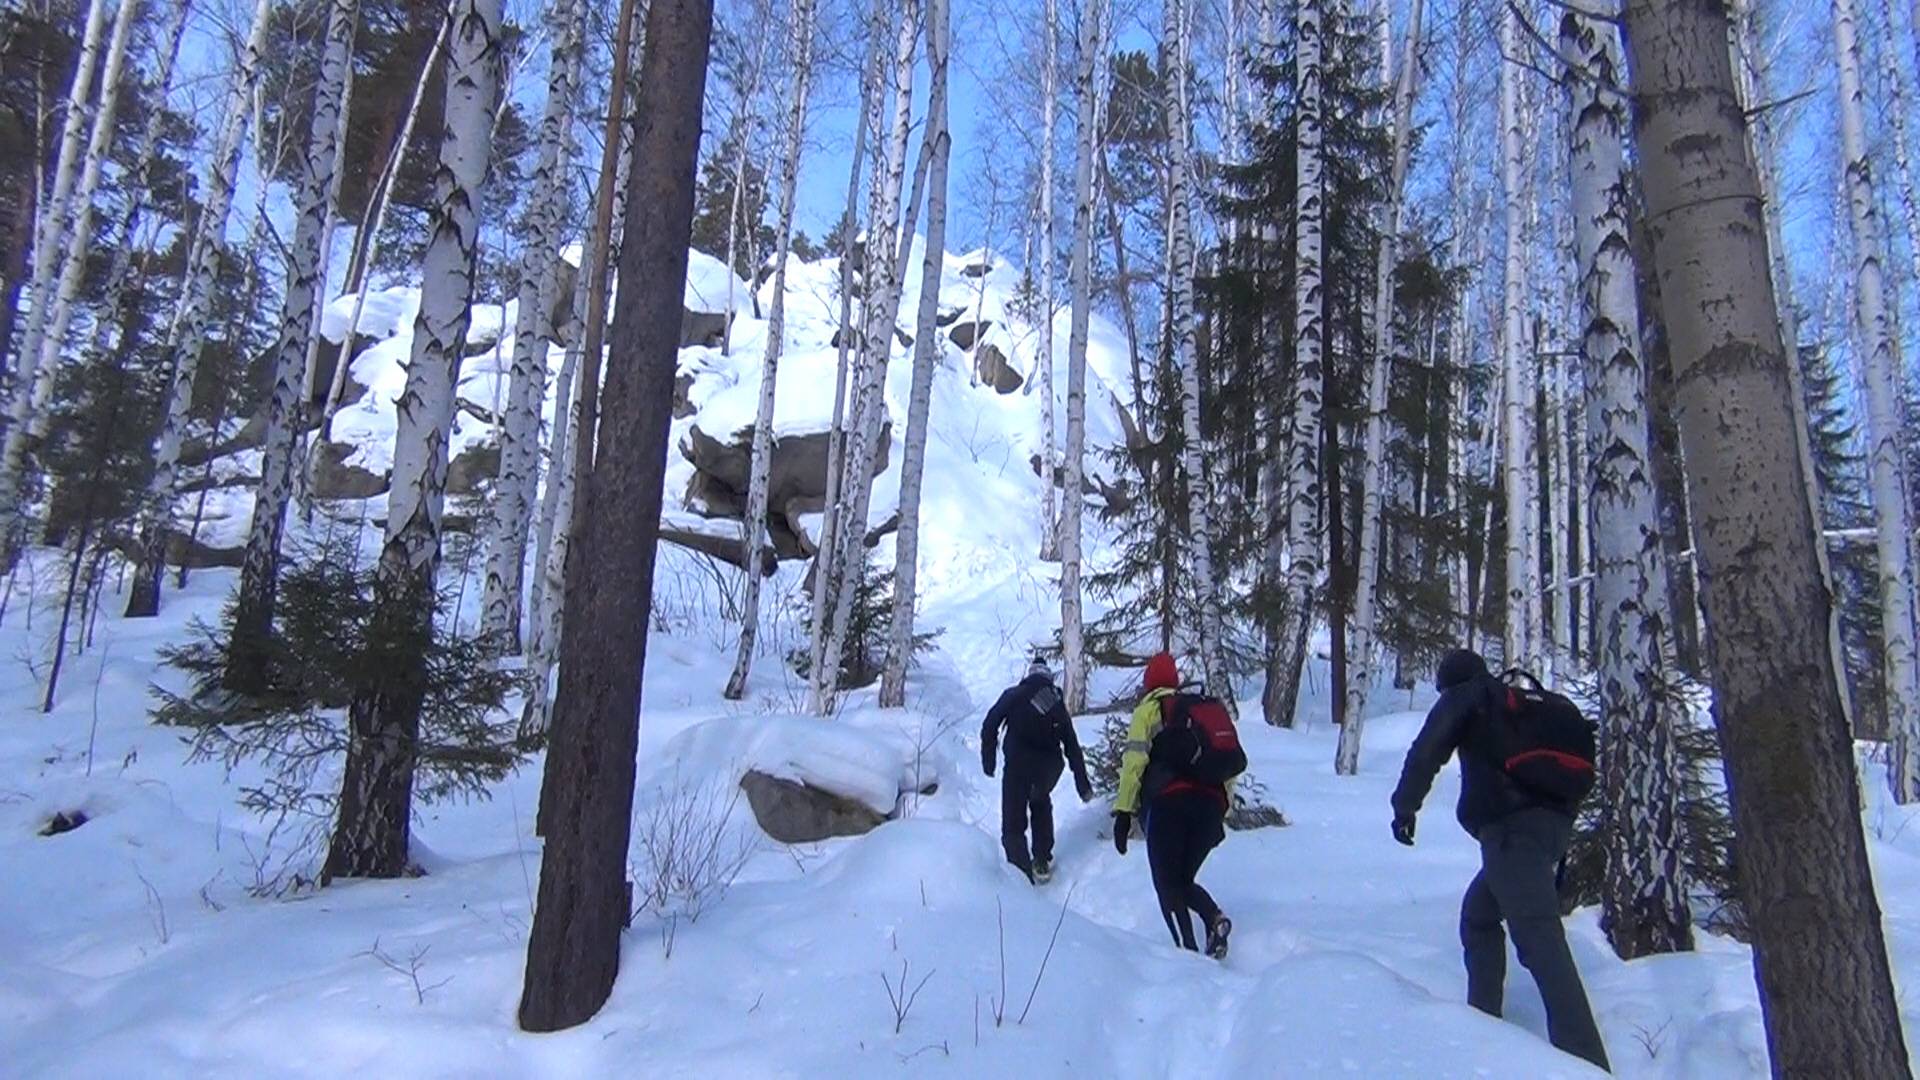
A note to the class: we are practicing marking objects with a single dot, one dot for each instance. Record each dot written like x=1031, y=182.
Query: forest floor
x=133, y=945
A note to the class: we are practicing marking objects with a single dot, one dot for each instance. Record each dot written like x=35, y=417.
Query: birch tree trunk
x=533, y=333
x=246, y=671
x=1879, y=371
x=1179, y=114
x=1522, y=562
x=1751, y=77
x=1645, y=893
x=1895, y=81
x=1092, y=47
x=800, y=34
x=573, y=951
x=1373, y=465
x=879, y=316
x=187, y=333
x=370, y=836
x=65, y=218
x=574, y=461
x=1825, y=984
x=825, y=562
x=926, y=353
x=50, y=224
x=1285, y=669
x=1049, y=107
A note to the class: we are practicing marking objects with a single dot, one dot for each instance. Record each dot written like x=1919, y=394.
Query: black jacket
x=1461, y=721
x=1038, y=728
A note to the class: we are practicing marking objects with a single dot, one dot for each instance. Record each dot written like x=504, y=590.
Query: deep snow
x=132, y=945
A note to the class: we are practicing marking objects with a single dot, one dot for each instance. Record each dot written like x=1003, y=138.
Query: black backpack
x=1032, y=722
x=1542, y=740
x=1197, y=739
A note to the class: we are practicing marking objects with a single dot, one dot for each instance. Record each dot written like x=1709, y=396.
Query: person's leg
x=1166, y=855
x=1520, y=875
x=1484, y=945
x=1204, y=833
x=1040, y=805
x=1013, y=817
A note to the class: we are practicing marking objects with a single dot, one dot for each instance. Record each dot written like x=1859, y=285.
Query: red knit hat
x=1161, y=672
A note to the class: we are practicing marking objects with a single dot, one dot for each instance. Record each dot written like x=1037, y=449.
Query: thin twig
x=1040, y=974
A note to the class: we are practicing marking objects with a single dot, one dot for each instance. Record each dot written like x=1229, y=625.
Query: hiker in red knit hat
x=1177, y=773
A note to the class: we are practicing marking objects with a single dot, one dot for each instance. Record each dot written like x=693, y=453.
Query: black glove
x=1081, y=785
x=1122, y=826
x=986, y=764
x=1403, y=828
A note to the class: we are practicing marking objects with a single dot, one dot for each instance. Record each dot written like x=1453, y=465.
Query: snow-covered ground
x=133, y=945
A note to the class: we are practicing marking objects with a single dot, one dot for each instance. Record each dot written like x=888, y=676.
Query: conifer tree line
x=1425, y=347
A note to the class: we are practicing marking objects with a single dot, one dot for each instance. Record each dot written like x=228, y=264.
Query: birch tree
x=52, y=233
x=1179, y=113
x=800, y=34
x=1826, y=988
x=371, y=834
x=306, y=272
x=1285, y=668
x=1645, y=893
x=879, y=314
x=1360, y=645
x=1086, y=136
x=1516, y=368
x=1879, y=372
x=1049, y=110
x=573, y=949
x=187, y=332
x=533, y=332
x=926, y=353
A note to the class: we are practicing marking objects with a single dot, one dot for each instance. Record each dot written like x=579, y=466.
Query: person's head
x=1039, y=670
x=1459, y=666
x=1162, y=673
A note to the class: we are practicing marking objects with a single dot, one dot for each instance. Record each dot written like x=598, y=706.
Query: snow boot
x=1042, y=871
x=1217, y=937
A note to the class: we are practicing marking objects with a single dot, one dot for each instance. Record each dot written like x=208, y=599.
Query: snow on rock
x=387, y=312
x=712, y=287
x=869, y=766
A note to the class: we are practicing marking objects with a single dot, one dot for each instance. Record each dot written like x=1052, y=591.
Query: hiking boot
x=1042, y=871
x=1217, y=937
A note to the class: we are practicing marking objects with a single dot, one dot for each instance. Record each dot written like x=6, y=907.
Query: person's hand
x=1403, y=828
x=1084, y=788
x=1122, y=826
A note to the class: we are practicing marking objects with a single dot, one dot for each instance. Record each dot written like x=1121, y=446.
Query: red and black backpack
x=1542, y=740
x=1198, y=741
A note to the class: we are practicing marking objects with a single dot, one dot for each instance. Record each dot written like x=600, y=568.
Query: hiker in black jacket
x=1522, y=839
x=1038, y=729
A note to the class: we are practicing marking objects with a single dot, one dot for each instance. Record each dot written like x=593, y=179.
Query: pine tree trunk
x=64, y=226
x=800, y=31
x=1092, y=46
x=879, y=316
x=573, y=953
x=370, y=836
x=1645, y=893
x=1049, y=108
x=246, y=671
x=1819, y=952
x=533, y=333
x=1373, y=465
x=1516, y=367
x=1179, y=114
x=1750, y=74
x=926, y=353
x=1879, y=371
x=1285, y=668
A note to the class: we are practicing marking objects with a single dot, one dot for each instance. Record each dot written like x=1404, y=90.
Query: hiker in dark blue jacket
x=1522, y=838
x=1038, y=730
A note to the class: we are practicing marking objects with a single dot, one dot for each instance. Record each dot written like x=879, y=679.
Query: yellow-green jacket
x=1133, y=760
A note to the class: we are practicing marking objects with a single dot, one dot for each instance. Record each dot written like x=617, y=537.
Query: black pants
x=1182, y=829
x=1026, y=791
x=1518, y=857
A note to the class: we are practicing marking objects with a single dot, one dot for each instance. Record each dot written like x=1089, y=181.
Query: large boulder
x=796, y=481
x=472, y=467
x=796, y=813
x=202, y=554
x=963, y=334
x=991, y=365
x=335, y=478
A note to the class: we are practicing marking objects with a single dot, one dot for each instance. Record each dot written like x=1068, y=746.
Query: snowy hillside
x=136, y=943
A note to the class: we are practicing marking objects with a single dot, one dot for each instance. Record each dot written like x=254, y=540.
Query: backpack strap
x=1508, y=676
